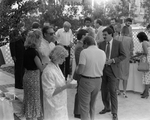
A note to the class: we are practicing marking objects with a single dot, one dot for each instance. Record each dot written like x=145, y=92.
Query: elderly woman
x=31, y=80
x=54, y=87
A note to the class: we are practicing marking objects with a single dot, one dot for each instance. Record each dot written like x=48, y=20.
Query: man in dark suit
x=78, y=48
x=17, y=53
x=114, y=54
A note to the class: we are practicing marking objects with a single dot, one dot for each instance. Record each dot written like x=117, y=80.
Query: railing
x=137, y=46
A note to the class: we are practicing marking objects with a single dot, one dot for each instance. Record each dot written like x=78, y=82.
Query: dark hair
x=99, y=21
x=89, y=40
x=125, y=31
x=109, y=31
x=80, y=33
x=128, y=20
x=113, y=29
x=45, y=28
x=35, y=25
x=148, y=26
x=142, y=37
x=114, y=19
x=87, y=19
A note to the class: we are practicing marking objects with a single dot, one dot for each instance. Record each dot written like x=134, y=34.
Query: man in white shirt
x=47, y=44
x=65, y=38
x=98, y=30
x=91, y=64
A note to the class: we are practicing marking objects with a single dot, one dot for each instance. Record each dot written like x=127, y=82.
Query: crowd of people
x=43, y=68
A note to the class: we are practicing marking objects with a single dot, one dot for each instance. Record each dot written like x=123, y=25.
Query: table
x=135, y=79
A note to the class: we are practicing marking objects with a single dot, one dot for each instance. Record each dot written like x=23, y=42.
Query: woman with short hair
x=54, y=86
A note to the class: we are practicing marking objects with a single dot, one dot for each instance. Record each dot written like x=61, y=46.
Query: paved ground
x=131, y=108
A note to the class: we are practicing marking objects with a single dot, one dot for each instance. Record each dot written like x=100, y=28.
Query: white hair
x=66, y=24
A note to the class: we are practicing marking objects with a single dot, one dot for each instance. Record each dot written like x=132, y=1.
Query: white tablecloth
x=135, y=79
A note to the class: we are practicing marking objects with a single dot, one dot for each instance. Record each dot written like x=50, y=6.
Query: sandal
x=124, y=95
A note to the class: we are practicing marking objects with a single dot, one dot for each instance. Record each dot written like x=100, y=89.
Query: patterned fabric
x=32, y=103
x=146, y=75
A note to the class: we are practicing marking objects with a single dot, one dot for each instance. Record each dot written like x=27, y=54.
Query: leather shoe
x=77, y=115
x=104, y=111
x=114, y=117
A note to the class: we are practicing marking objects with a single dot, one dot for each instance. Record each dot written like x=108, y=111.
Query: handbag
x=143, y=66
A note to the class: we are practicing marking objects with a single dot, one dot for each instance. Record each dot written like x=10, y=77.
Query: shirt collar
x=110, y=41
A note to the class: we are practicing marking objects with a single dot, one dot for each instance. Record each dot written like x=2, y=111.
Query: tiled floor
x=131, y=108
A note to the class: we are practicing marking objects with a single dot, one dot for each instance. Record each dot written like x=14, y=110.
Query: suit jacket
x=78, y=49
x=117, y=53
x=17, y=47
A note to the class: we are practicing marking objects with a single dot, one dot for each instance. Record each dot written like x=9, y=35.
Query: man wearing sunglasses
x=47, y=44
x=65, y=38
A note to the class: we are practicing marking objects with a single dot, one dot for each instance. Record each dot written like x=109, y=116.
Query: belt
x=89, y=77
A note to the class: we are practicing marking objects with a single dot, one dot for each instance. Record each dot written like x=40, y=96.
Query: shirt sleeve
x=82, y=59
x=48, y=83
x=58, y=35
x=71, y=36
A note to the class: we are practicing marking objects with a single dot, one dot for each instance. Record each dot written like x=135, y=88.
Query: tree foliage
x=146, y=6
x=56, y=13
x=10, y=17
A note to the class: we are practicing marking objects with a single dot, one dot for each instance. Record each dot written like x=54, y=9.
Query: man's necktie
x=108, y=50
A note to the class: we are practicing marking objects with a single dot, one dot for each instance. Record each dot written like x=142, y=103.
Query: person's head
x=142, y=37
x=113, y=21
x=97, y=23
x=87, y=22
x=81, y=34
x=128, y=22
x=33, y=39
x=107, y=34
x=125, y=31
x=88, y=41
x=58, y=54
x=48, y=33
x=46, y=23
x=35, y=25
x=148, y=28
x=90, y=32
x=66, y=26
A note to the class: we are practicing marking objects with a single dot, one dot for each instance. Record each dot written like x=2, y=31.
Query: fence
x=137, y=46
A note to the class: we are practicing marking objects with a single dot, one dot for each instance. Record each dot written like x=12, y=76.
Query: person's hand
x=109, y=61
x=71, y=85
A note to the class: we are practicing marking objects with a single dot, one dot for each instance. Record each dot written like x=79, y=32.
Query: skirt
x=32, y=103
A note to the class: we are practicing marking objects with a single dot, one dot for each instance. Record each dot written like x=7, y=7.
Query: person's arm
x=57, y=35
x=39, y=63
x=13, y=50
x=122, y=54
x=131, y=48
x=49, y=86
x=77, y=54
x=82, y=62
x=144, y=46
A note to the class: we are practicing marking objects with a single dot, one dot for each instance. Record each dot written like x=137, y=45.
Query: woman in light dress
x=124, y=65
x=54, y=87
x=146, y=55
